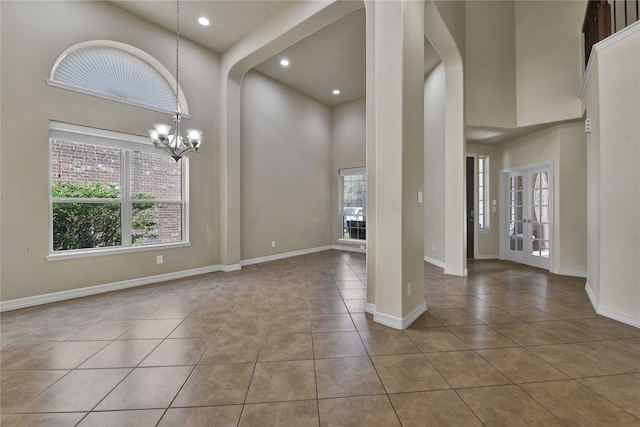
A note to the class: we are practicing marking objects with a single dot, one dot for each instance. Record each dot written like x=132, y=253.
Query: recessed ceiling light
x=203, y=21
x=284, y=62
x=336, y=92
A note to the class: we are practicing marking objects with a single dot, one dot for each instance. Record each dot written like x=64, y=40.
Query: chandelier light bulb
x=162, y=130
x=154, y=136
x=195, y=137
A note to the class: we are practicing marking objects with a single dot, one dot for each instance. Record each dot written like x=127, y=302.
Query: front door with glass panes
x=529, y=198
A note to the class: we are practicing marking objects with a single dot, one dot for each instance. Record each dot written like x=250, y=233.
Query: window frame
x=482, y=177
x=85, y=68
x=127, y=144
x=362, y=170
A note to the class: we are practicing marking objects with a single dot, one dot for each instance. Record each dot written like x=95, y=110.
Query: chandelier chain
x=177, y=54
x=174, y=144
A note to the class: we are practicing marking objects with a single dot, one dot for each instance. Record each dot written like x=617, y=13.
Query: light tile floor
x=288, y=344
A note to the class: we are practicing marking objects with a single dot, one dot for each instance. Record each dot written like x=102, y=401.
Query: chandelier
x=161, y=136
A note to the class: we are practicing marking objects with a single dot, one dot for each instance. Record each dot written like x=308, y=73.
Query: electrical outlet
x=159, y=259
x=433, y=246
x=409, y=290
x=273, y=244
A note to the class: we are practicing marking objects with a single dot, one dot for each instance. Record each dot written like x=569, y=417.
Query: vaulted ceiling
x=332, y=58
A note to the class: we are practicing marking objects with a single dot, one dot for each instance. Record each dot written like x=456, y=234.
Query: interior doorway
x=527, y=229
x=470, y=197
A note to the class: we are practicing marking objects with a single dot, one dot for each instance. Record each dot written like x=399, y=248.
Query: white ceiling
x=332, y=58
x=230, y=20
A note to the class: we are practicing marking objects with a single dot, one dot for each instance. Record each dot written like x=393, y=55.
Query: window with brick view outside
x=154, y=192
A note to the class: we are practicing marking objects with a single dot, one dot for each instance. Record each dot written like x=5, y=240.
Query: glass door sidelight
x=516, y=222
x=540, y=217
x=528, y=193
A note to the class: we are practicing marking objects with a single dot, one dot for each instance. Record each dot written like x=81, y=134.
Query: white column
x=230, y=175
x=398, y=67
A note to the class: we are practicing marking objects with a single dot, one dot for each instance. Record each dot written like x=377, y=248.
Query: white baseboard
x=572, y=273
x=349, y=249
x=15, y=304
x=455, y=272
x=485, y=256
x=230, y=268
x=450, y=271
x=611, y=313
x=276, y=257
x=435, y=262
x=592, y=296
x=370, y=308
x=415, y=313
x=619, y=316
x=388, y=320
x=398, y=322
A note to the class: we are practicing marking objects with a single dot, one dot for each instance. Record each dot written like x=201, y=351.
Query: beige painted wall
x=453, y=15
x=613, y=103
x=413, y=156
x=591, y=100
x=399, y=141
x=348, y=150
x=28, y=103
x=573, y=197
x=488, y=241
x=285, y=169
x=444, y=27
x=549, y=60
x=434, y=164
x=565, y=146
x=490, y=63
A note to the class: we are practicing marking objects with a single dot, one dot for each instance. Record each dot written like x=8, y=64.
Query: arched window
x=119, y=72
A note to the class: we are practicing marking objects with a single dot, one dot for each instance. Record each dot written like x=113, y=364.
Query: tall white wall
x=612, y=102
x=285, y=162
x=549, y=60
x=33, y=35
x=348, y=150
x=591, y=100
x=572, y=203
x=445, y=29
x=490, y=63
x=434, y=164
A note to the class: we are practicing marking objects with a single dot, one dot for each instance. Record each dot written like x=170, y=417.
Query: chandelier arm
x=167, y=149
x=189, y=150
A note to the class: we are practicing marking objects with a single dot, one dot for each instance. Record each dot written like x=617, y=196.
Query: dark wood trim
x=596, y=25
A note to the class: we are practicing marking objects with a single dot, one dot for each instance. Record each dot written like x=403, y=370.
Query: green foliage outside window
x=95, y=225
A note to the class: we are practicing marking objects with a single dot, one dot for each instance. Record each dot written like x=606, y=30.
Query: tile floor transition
x=287, y=343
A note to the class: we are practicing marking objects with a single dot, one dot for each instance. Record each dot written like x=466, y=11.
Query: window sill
x=353, y=241
x=484, y=231
x=88, y=253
